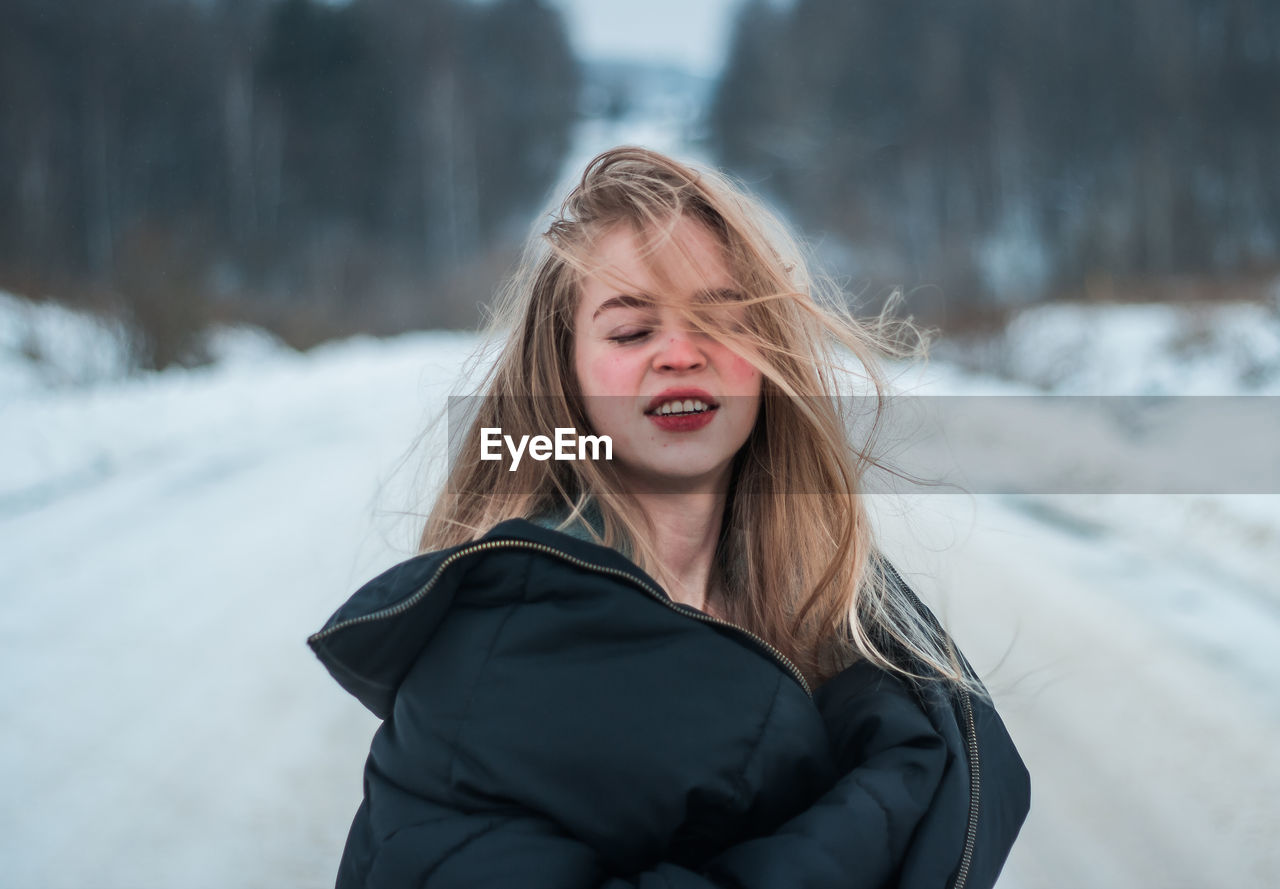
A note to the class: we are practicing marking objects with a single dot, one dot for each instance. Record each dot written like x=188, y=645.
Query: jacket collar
x=574, y=539
x=373, y=639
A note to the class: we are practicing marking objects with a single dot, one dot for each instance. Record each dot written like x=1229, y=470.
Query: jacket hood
x=372, y=640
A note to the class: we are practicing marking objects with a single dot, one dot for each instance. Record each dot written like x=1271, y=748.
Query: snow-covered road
x=162, y=722
x=1142, y=690
x=166, y=546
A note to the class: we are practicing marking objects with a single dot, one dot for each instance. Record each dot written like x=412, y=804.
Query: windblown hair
x=796, y=558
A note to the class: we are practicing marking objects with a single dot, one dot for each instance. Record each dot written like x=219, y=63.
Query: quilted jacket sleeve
x=852, y=837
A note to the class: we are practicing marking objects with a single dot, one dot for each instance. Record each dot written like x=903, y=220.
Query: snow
x=1147, y=349
x=666, y=116
x=170, y=539
x=44, y=344
x=1140, y=690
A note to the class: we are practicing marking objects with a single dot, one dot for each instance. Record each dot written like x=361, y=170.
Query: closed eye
x=625, y=338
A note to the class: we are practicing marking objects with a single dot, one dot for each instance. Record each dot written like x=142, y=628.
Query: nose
x=679, y=351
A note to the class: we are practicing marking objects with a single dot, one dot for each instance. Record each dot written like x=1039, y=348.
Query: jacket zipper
x=651, y=591
x=971, y=743
x=975, y=788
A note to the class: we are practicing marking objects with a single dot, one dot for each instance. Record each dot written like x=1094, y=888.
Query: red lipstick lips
x=681, y=422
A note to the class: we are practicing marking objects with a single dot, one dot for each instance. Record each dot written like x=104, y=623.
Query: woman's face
x=677, y=404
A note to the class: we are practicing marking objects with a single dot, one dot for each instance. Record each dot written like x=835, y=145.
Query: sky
x=691, y=33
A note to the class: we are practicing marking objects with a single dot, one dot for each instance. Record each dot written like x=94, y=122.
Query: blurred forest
x=326, y=167
x=317, y=168
x=1009, y=150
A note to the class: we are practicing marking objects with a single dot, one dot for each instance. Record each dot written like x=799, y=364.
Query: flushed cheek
x=613, y=375
x=740, y=371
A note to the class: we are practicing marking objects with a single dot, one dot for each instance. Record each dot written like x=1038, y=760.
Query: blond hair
x=796, y=556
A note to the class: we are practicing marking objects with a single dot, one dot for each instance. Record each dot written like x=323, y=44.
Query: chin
x=687, y=475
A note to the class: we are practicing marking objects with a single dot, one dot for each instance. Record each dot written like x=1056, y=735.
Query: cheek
x=608, y=372
x=608, y=379
x=742, y=374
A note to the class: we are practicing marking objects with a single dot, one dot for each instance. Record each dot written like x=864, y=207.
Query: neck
x=686, y=527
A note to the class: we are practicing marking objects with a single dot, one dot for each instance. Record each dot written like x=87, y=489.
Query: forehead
x=678, y=262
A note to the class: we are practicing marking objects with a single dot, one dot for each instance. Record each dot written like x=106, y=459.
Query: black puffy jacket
x=552, y=719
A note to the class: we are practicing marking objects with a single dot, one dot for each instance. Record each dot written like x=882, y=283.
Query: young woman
x=681, y=663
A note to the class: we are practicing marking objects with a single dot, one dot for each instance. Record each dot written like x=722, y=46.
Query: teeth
x=688, y=406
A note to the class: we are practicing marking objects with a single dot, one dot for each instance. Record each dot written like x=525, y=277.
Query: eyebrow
x=638, y=301
x=623, y=301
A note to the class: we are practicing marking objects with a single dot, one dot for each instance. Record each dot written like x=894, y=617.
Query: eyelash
x=629, y=338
